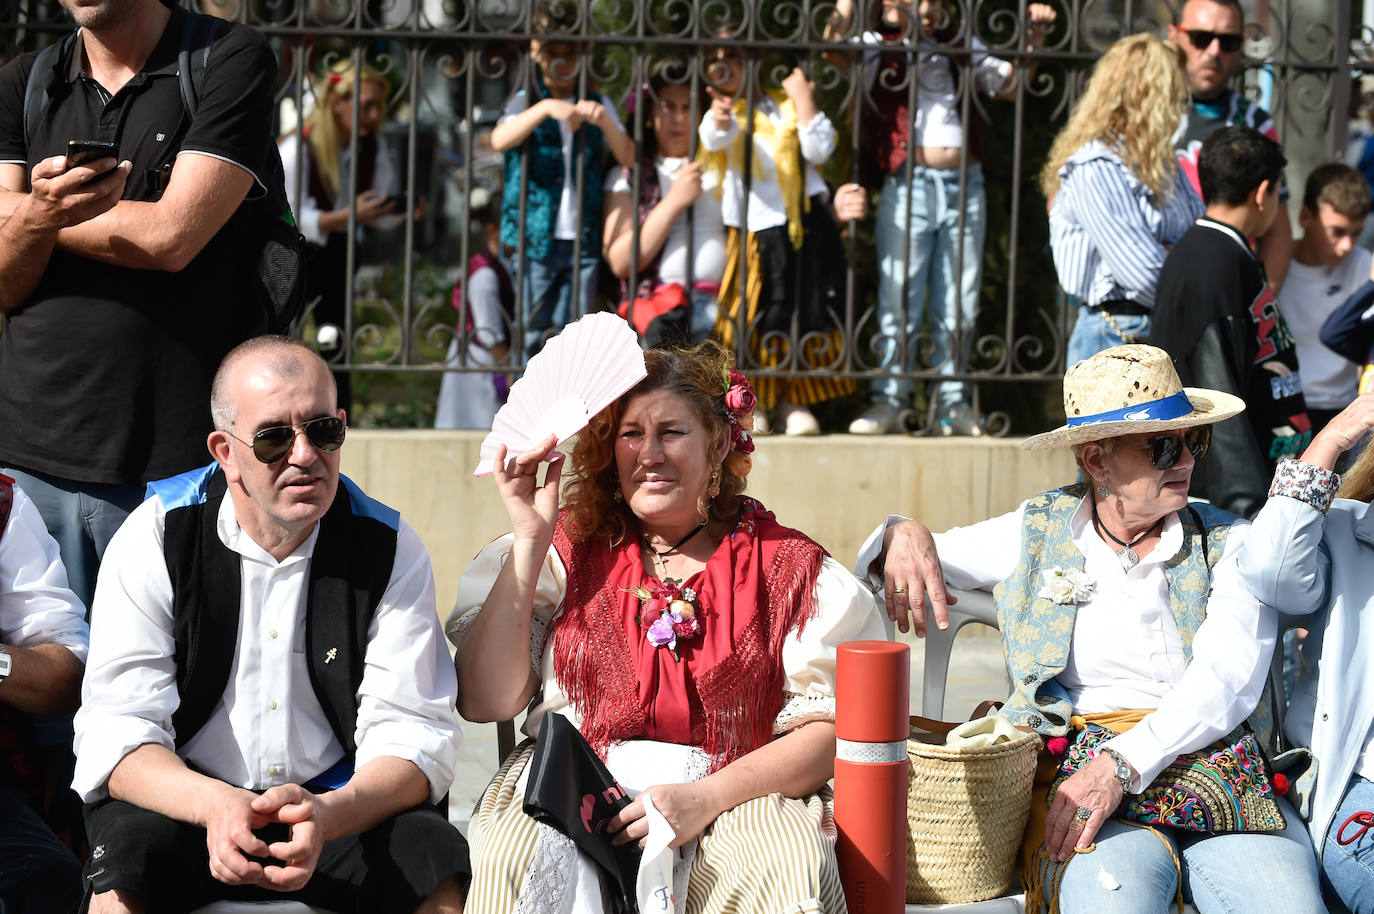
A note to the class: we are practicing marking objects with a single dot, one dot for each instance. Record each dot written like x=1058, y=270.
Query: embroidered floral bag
x=1221, y=788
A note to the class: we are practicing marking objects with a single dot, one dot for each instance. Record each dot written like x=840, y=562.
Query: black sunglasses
x=1166, y=449
x=1202, y=40
x=272, y=444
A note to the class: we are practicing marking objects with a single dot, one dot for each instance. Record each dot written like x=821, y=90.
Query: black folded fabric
x=571, y=790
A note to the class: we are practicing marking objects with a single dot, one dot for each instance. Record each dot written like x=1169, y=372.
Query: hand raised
x=531, y=507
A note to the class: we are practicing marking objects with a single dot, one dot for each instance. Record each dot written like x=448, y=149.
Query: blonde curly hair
x=1133, y=104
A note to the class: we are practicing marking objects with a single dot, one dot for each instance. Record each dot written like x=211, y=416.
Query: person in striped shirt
x=1117, y=196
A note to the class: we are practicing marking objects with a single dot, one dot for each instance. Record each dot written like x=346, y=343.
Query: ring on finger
x=1082, y=814
x=899, y=590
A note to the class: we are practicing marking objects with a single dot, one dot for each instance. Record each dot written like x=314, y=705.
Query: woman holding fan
x=687, y=634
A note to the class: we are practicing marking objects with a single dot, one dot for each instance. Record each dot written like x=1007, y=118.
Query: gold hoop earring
x=713, y=487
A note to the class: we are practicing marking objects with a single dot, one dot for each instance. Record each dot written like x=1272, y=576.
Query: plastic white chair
x=973, y=606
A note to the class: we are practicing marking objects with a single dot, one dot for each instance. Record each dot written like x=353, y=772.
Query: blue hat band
x=1173, y=407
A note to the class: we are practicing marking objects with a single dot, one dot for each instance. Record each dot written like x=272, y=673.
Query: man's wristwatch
x=5, y=663
x=1123, y=771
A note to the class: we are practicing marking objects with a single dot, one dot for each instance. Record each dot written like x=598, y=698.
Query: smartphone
x=397, y=201
x=83, y=152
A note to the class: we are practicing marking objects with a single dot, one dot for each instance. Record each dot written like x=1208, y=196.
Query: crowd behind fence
x=449, y=67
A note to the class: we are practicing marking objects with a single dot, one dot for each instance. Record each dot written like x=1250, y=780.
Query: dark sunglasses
x=272, y=444
x=1166, y=449
x=1202, y=40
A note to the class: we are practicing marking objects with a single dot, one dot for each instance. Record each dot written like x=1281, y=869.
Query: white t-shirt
x=708, y=228
x=1307, y=298
x=937, y=109
x=565, y=225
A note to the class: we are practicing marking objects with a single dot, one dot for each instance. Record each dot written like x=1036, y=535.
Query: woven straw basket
x=966, y=809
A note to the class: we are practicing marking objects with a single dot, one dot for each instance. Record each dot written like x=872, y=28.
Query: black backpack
x=279, y=264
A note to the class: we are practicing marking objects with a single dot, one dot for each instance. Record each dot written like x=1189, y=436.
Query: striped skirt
x=771, y=294
x=772, y=855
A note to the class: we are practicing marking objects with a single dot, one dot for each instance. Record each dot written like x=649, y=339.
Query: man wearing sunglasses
x=1211, y=34
x=270, y=713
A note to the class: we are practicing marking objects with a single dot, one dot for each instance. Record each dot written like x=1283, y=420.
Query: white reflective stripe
x=871, y=753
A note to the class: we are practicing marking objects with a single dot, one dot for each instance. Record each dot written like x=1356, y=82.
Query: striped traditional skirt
x=772, y=855
x=773, y=291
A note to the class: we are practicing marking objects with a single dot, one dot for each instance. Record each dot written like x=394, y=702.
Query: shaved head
x=283, y=356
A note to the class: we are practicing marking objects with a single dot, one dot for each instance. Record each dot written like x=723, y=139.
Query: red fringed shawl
x=757, y=588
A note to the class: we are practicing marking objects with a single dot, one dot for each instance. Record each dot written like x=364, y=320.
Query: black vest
x=349, y=571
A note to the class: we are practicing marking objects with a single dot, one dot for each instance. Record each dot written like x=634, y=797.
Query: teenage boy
x=1218, y=319
x=1328, y=267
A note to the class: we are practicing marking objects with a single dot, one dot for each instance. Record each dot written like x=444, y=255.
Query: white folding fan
x=577, y=374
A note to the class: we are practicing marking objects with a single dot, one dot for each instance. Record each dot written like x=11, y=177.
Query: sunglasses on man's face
x=1166, y=449
x=269, y=445
x=1202, y=40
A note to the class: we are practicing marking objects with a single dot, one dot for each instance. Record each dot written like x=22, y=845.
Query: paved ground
x=976, y=672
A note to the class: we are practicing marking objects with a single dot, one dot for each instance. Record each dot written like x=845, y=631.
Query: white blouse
x=708, y=227
x=1126, y=653
x=766, y=206
x=846, y=611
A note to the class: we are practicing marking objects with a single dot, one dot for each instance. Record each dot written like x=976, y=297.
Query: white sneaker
x=961, y=421
x=797, y=420
x=878, y=419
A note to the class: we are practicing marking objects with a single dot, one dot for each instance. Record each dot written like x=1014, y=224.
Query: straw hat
x=1127, y=390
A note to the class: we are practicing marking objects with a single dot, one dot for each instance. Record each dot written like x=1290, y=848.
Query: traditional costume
x=772, y=608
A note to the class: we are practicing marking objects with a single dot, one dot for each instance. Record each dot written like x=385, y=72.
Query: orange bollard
x=872, y=680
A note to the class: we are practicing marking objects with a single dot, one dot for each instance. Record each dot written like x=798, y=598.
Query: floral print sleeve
x=1312, y=485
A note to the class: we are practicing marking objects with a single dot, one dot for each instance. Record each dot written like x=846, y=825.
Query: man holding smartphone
x=116, y=316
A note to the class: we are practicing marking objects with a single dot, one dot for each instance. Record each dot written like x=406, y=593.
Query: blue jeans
x=82, y=517
x=933, y=251
x=547, y=290
x=1132, y=872
x=1349, y=868
x=1091, y=333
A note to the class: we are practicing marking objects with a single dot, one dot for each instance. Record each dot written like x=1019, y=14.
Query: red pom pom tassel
x=1057, y=745
x=1280, y=783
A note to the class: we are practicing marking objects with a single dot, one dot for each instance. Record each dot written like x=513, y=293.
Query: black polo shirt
x=105, y=371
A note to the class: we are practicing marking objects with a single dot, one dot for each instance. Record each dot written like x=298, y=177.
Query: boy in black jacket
x=1217, y=317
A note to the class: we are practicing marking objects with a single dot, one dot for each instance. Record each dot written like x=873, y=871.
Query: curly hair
x=698, y=376
x=1133, y=104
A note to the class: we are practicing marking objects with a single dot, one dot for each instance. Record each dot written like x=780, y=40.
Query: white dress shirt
x=36, y=606
x=1125, y=652
x=269, y=729
x=766, y=206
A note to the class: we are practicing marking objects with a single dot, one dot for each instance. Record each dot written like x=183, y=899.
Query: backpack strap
x=38, y=90
x=197, y=36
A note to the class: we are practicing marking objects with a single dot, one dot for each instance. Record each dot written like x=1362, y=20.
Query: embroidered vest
x=349, y=571
x=1036, y=631
x=544, y=148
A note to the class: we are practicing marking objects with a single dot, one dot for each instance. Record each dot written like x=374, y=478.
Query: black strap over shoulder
x=197, y=36
x=43, y=82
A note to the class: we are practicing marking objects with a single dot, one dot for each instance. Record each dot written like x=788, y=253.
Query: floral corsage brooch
x=668, y=613
x=1066, y=585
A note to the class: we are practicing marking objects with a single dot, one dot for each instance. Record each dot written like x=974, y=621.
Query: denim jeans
x=1091, y=333
x=933, y=249
x=1132, y=872
x=82, y=517
x=547, y=288
x=1349, y=868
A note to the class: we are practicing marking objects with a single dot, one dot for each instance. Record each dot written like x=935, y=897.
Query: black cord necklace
x=676, y=546
x=1128, y=557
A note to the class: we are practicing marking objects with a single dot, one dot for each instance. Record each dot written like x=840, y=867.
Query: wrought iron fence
x=449, y=67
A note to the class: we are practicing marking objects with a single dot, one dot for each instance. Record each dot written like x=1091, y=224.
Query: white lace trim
x=549, y=875
x=459, y=628
x=803, y=709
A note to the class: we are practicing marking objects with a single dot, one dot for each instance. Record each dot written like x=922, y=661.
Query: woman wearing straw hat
x=1131, y=640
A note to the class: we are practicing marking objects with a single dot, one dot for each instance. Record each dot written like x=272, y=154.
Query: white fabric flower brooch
x=1066, y=585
